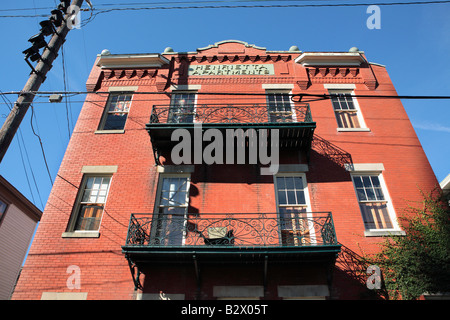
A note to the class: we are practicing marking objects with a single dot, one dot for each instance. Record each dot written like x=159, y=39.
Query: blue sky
x=413, y=43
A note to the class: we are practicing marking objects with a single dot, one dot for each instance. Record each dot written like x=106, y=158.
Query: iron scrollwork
x=236, y=230
x=228, y=113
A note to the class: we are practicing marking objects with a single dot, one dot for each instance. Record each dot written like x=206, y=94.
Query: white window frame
x=156, y=212
x=76, y=211
x=106, y=112
x=189, y=91
x=387, y=199
x=307, y=205
x=359, y=115
x=286, y=91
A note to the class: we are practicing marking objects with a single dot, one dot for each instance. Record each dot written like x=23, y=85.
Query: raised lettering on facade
x=231, y=70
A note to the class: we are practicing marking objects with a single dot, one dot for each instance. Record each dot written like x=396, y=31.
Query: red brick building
x=127, y=220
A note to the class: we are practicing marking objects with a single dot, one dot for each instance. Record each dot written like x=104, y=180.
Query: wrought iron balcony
x=202, y=239
x=291, y=234
x=242, y=114
x=294, y=122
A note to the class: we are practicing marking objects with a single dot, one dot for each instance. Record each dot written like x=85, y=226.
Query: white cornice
x=445, y=184
x=330, y=59
x=112, y=61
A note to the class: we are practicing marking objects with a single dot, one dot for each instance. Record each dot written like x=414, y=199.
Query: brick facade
x=390, y=140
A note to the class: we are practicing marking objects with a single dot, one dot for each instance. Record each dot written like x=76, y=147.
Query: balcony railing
x=238, y=230
x=231, y=114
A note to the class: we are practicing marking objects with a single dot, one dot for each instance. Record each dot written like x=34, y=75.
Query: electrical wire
x=101, y=11
x=312, y=5
x=40, y=142
x=65, y=89
x=249, y=94
x=21, y=144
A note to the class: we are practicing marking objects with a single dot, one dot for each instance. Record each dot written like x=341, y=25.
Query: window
x=171, y=208
x=116, y=111
x=346, y=110
x=91, y=203
x=182, y=107
x=3, y=206
x=279, y=106
x=373, y=202
x=296, y=228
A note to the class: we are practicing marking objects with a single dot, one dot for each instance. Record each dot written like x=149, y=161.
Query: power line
x=161, y=3
x=328, y=96
x=31, y=168
x=40, y=142
x=38, y=74
x=65, y=88
x=9, y=104
x=25, y=170
x=315, y=5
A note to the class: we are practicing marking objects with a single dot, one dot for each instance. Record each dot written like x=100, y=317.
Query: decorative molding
x=99, y=169
x=292, y=168
x=216, y=45
x=330, y=59
x=323, y=71
x=364, y=167
x=353, y=129
x=337, y=80
x=160, y=85
x=175, y=169
x=340, y=86
x=354, y=71
x=125, y=82
x=128, y=74
x=326, y=72
x=384, y=233
x=303, y=84
x=81, y=234
x=234, y=57
x=185, y=87
x=333, y=71
x=131, y=61
x=123, y=88
x=64, y=296
x=246, y=79
x=269, y=86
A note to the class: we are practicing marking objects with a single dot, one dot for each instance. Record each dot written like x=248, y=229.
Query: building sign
x=231, y=70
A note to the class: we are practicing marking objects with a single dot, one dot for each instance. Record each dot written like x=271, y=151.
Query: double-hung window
x=91, y=203
x=292, y=201
x=346, y=110
x=116, y=111
x=279, y=106
x=182, y=107
x=169, y=223
x=373, y=202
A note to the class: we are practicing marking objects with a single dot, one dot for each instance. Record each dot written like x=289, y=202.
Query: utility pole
x=37, y=77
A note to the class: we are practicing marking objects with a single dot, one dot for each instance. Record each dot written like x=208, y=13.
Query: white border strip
x=364, y=167
x=343, y=86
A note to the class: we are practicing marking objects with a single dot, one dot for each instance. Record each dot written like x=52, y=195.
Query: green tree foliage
x=418, y=262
